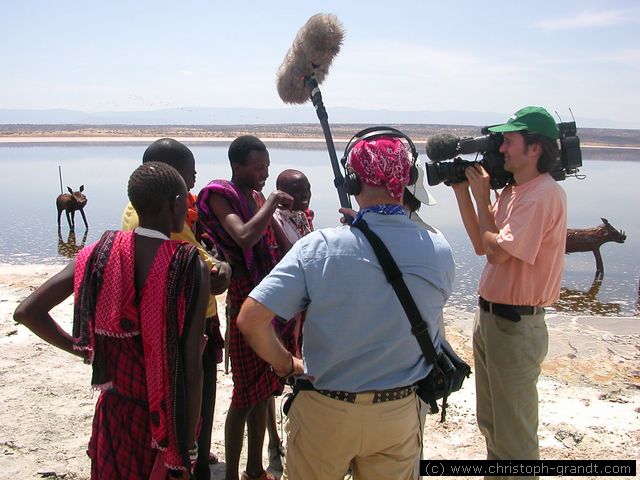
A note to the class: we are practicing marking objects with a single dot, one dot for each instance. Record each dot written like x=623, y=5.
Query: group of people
x=311, y=308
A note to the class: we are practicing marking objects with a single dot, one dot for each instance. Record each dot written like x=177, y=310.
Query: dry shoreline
x=589, y=392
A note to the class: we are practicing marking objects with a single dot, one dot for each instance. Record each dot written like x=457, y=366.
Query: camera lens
x=447, y=172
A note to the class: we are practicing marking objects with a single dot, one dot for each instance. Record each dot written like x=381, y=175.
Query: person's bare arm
x=34, y=310
x=283, y=242
x=254, y=322
x=192, y=354
x=219, y=278
x=479, y=183
x=246, y=235
x=468, y=215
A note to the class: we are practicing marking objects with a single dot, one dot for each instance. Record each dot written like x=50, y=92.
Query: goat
x=70, y=203
x=590, y=240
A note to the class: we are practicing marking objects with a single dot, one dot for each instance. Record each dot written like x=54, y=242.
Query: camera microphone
x=442, y=146
x=305, y=66
x=313, y=50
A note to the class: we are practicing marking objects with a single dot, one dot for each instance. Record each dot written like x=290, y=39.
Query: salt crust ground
x=589, y=393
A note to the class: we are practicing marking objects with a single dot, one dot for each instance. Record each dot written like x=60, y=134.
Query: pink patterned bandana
x=382, y=162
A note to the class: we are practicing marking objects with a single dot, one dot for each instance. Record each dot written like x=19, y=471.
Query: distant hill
x=604, y=143
x=418, y=132
x=270, y=116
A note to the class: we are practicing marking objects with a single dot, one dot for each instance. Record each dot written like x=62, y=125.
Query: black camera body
x=488, y=145
x=570, y=153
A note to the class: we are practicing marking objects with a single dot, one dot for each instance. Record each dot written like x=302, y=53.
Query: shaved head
x=286, y=177
x=296, y=184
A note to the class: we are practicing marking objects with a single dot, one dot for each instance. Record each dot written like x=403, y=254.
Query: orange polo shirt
x=532, y=223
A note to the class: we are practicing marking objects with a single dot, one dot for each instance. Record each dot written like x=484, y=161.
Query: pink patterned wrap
x=382, y=162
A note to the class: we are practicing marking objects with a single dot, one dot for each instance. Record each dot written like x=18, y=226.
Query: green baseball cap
x=531, y=119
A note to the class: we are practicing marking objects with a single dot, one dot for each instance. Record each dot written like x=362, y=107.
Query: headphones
x=352, y=183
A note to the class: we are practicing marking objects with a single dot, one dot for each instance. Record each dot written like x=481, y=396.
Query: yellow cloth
x=130, y=221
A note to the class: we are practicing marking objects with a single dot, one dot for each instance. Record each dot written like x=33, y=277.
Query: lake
x=30, y=186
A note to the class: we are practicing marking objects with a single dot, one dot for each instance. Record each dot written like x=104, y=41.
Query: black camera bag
x=449, y=370
x=446, y=377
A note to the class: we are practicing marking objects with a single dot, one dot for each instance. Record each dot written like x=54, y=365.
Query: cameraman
x=523, y=236
x=357, y=405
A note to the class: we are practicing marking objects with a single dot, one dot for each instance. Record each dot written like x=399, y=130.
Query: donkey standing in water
x=70, y=202
x=590, y=240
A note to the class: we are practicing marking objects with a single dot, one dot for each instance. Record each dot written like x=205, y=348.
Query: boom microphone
x=442, y=146
x=313, y=50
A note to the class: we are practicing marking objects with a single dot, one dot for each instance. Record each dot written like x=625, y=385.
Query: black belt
x=509, y=312
x=379, y=396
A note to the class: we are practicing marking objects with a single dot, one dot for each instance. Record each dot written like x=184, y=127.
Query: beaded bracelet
x=193, y=452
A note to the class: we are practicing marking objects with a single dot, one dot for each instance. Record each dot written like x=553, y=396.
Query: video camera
x=447, y=146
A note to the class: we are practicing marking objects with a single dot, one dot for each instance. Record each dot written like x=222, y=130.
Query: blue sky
x=474, y=56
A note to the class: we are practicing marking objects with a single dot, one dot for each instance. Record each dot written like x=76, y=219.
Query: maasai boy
x=180, y=157
x=140, y=302
x=240, y=221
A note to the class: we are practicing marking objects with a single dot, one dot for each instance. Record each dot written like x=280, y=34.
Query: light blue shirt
x=357, y=336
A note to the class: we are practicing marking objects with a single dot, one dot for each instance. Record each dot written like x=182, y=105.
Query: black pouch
x=299, y=384
x=289, y=397
x=446, y=377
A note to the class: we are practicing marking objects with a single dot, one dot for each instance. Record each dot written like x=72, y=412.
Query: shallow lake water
x=30, y=185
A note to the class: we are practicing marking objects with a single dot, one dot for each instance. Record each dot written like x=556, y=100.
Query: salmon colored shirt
x=532, y=223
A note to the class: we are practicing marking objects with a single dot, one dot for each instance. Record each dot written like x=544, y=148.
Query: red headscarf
x=382, y=162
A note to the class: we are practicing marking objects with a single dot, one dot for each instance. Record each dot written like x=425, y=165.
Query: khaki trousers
x=507, y=358
x=325, y=436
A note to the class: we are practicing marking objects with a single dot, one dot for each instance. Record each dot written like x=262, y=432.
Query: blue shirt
x=357, y=336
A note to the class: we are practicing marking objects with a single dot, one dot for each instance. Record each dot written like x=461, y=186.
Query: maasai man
x=180, y=157
x=140, y=302
x=240, y=221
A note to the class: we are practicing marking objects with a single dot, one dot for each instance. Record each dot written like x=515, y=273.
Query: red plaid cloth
x=253, y=380
x=120, y=445
x=107, y=315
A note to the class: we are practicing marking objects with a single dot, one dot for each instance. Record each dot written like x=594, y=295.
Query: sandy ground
x=589, y=393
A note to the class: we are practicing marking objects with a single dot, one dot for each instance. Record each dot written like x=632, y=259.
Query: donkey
x=590, y=240
x=70, y=202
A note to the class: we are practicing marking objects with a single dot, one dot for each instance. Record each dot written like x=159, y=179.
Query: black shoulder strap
x=394, y=277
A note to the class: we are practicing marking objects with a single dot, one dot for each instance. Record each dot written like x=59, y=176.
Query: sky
x=473, y=56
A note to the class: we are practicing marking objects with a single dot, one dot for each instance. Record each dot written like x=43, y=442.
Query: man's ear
x=235, y=167
x=535, y=149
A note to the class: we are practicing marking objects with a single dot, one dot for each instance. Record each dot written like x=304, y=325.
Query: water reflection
x=586, y=303
x=70, y=248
